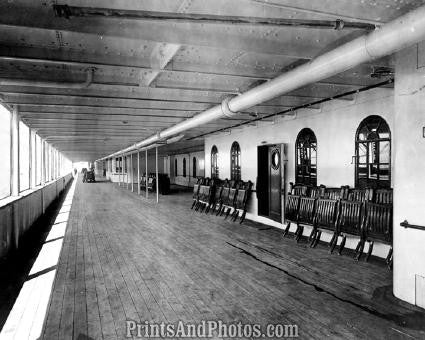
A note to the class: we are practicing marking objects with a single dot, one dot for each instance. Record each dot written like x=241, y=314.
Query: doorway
x=270, y=181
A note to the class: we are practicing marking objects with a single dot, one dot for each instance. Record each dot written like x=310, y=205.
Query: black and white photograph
x=212, y=169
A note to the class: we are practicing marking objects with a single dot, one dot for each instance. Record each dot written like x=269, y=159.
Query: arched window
x=373, y=153
x=194, y=167
x=184, y=167
x=175, y=167
x=214, y=162
x=306, y=158
x=235, y=161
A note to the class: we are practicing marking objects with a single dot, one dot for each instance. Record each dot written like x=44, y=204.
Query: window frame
x=373, y=124
x=184, y=166
x=235, y=162
x=214, y=162
x=194, y=167
x=305, y=145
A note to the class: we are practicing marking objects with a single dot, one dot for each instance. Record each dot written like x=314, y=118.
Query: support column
x=15, y=152
x=132, y=174
x=146, y=172
x=120, y=169
x=156, y=173
x=43, y=162
x=15, y=172
x=409, y=176
x=128, y=172
x=31, y=159
x=138, y=172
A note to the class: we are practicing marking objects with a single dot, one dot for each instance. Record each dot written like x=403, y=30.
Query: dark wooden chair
x=298, y=189
x=224, y=197
x=305, y=215
x=317, y=192
x=241, y=201
x=360, y=195
x=215, y=196
x=324, y=218
x=377, y=225
x=384, y=196
x=291, y=211
x=196, y=188
x=336, y=193
x=349, y=221
x=204, y=194
x=230, y=203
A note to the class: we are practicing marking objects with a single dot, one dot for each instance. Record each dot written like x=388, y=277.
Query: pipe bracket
x=225, y=110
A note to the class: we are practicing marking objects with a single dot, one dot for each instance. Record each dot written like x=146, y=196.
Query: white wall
x=114, y=177
x=409, y=174
x=189, y=180
x=335, y=127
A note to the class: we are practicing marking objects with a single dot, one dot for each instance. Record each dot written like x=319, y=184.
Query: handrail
x=406, y=224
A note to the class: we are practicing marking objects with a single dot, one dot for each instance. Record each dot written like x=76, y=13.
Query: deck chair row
x=221, y=197
x=384, y=196
x=366, y=220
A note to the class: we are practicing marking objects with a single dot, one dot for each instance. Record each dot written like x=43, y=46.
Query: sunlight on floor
x=26, y=318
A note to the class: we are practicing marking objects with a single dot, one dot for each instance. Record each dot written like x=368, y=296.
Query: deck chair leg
x=316, y=241
x=296, y=231
x=312, y=235
x=332, y=239
x=193, y=204
x=222, y=211
x=227, y=213
x=300, y=234
x=242, y=217
x=219, y=209
x=236, y=216
x=232, y=216
x=203, y=205
x=286, y=231
x=342, y=245
x=208, y=208
x=389, y=256
x=360, y=252
x=334, y=243
x=369, y=252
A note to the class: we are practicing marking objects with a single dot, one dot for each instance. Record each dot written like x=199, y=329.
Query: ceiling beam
x=69, y=12
x=231, y=38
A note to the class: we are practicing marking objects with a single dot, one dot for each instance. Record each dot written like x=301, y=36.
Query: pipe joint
x=225, y=110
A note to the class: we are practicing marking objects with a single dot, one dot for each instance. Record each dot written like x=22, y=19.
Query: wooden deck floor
x=127, y=258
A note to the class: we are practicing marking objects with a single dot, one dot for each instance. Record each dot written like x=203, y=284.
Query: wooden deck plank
x=138, y=260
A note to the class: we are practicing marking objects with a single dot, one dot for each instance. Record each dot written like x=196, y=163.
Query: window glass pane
x=24, y=166
x=33, y=155
x=38, y=160
x=5, y=152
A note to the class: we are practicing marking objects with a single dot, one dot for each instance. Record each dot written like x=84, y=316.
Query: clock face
x=275, y=159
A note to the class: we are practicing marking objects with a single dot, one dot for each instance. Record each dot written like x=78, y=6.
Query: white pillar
x=43, y=162
x=408, y=149
x=132, y=175
x=119, y=169
x=15, y=152
x=156, y=173
x=146, y=172
x=138, y=172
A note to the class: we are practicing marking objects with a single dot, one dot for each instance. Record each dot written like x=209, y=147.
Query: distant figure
x=104, y=172
x=75, y=172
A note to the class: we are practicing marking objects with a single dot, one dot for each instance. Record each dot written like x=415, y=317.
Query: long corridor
x=128, y=258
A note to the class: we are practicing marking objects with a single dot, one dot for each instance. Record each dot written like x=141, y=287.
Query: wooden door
x=275, y=182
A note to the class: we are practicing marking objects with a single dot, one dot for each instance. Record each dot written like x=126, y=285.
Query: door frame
x=283, y=184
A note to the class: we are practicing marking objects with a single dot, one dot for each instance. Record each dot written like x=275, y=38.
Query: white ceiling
x=150, y=75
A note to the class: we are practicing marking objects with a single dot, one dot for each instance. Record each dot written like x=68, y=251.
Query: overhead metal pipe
x=192, y=18
x=36, y=83
x=390, y=38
